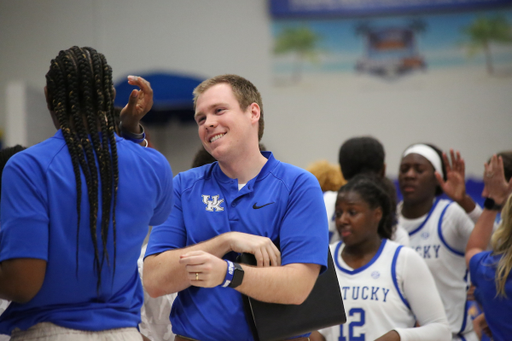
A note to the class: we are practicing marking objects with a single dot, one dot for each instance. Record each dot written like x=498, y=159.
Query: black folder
x=323, y=308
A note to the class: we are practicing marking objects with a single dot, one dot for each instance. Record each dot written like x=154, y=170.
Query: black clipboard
x=323, y=308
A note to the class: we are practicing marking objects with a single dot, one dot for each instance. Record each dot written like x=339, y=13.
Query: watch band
x=137, y=138
x=491, y=205
x=238, y=276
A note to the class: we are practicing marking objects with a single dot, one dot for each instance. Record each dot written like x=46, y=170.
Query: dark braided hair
x=109, y=130
x=80, y=90
x=372, y=189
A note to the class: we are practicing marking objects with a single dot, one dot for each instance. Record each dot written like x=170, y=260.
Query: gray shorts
x=46, y=331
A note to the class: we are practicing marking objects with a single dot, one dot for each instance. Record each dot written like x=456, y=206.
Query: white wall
x=26, y=116
x=16, y=114
x=210, y=37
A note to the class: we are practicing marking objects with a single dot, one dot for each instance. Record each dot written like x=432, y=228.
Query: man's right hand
x=263, y=249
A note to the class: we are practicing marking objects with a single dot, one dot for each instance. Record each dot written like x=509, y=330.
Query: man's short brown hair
x=245, y=92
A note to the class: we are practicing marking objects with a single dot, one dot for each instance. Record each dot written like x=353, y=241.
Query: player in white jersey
x=438, y=231
x=385, y=287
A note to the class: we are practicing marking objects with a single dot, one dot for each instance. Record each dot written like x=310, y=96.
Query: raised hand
x=139, y=103
x=455, y=184
x=495, y=184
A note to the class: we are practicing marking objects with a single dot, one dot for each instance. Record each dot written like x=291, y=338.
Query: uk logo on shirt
x=214, y=204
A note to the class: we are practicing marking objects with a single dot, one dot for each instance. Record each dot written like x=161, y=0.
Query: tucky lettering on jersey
x=427, y=251
x=213, y=204
x=365, y=293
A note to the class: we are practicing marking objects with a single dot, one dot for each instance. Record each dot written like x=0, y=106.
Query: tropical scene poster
x=441, y=47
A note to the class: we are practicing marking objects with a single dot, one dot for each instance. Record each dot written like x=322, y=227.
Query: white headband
x=428, y=153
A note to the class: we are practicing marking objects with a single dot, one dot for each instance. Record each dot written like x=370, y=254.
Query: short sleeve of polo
x=172, y=233
x=24, y=210
x=304, y=235
x=165, y=197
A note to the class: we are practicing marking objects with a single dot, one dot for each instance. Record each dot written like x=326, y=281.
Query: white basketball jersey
x=447, y=265
x=372, y=295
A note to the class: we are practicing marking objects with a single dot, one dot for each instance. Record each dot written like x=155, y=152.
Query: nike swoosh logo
x=258, y=207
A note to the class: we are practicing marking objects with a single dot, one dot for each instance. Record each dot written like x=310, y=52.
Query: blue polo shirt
x=283, y=203
x=39, y=220
x=497, y=309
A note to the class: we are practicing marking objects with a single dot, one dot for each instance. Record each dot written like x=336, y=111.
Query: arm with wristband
x=139, y=138
x=139, y=104
x=289, y=283
x=201, y=264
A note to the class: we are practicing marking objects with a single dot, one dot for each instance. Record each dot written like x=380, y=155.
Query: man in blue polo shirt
x=247, y=201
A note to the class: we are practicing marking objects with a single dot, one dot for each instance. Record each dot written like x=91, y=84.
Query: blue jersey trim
x=356, y=271
x=440, y=232
x=336, y=253
x=464, y=321
x=426, y=218
x=393, y=275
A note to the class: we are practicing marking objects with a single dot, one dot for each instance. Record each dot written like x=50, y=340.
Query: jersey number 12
x=352, y=325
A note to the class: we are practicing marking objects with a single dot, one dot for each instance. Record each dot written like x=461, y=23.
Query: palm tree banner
x=392, y=47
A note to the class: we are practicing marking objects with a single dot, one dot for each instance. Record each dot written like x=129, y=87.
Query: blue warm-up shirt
x=497, y=309
x=283, y=203
x=39, y=220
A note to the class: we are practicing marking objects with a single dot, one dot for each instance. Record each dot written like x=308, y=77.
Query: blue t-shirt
x=283, y=203
x=39, y=220
x=498, y=310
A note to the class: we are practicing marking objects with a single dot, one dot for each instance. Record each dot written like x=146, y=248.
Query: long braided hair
x=81, y=93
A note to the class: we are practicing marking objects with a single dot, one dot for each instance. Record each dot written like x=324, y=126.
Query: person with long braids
x=438, y=229
x=385, y=286
x=75, y=210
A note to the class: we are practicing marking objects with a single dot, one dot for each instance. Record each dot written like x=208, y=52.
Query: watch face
x=488, y=203
x=237, y=277
x=491, y=205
